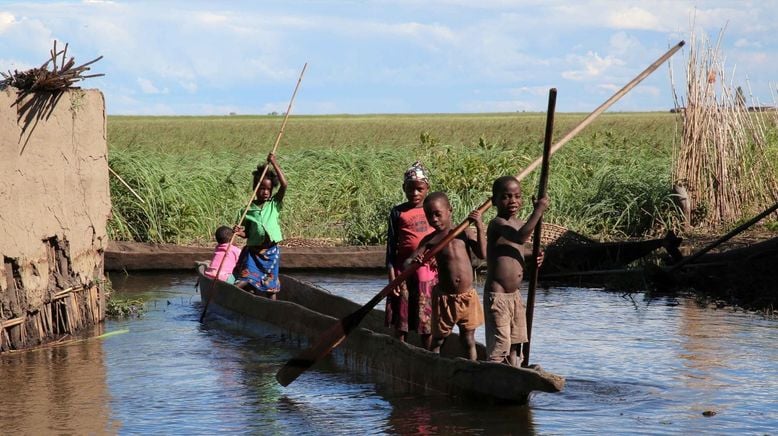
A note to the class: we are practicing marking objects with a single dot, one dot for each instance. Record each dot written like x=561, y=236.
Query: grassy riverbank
x=345, y=172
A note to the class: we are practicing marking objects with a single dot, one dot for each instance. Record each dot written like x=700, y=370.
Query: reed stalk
x=721, y=157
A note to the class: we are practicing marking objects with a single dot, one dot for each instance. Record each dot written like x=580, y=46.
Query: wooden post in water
x=542, y=188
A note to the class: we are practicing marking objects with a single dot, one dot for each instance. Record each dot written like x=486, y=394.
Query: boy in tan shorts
x=506, y=324
x=454, y=300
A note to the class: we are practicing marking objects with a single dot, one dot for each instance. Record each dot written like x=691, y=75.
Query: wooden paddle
x=211, y=292
x=542, y=188
x=332, y=337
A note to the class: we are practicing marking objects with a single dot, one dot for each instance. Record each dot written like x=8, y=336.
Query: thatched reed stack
x=720, y=160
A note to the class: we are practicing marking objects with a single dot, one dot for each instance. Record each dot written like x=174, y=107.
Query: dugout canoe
x=745, y=276
x=136, y=256
x=566, y=252
x=570, y=253
x=305, y=310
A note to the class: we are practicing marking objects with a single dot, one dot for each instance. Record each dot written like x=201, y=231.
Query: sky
x=386, y=56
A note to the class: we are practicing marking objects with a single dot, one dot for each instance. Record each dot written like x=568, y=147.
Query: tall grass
x=345, y=173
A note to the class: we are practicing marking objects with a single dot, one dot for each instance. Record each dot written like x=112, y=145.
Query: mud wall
x=54, y=204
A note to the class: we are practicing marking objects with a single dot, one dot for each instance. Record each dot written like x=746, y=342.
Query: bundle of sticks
x=63, y=74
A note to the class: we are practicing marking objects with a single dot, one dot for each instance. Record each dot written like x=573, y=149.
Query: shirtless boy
x=506, y=325
x=454, y=300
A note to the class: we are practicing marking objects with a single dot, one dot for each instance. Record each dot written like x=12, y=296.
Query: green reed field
x=345, y=172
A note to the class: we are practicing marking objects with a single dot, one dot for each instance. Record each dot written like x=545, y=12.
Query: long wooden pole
x=333, y=336
x=542, y=188
x=211, y=292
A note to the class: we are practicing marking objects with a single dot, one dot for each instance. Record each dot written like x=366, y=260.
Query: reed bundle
x=63, y=74
x=721, y=157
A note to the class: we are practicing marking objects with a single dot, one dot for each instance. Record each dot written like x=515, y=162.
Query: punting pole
x=542, y=188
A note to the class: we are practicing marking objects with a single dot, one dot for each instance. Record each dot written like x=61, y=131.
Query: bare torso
x=455, y=271
x=504, y=259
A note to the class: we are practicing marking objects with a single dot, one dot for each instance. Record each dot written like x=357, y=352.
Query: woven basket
x=554, y=234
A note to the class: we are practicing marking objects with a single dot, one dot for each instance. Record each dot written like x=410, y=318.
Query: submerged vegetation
x=118, y=308
x=345, y=172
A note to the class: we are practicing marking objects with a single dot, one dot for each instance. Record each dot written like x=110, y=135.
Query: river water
x=633, y=365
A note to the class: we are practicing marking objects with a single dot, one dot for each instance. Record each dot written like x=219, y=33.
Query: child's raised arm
x=477, y=244
x=282, y=183
x=521, y=235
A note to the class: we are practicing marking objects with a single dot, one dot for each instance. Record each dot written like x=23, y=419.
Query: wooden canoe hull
x=747, y=276
x=368, y=351
x=566, y=258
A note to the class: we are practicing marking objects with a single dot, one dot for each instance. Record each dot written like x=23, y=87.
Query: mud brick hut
x=54, y=204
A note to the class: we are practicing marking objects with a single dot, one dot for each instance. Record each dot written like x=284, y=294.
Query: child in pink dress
x=409, y=306
x=226, y=251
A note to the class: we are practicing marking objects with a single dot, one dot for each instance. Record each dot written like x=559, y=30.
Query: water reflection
x=59, y=389
x=409, y=415
x=632, y=365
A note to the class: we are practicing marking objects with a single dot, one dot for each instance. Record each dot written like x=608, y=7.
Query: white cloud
x=648, y=90
x=211, y=18
x=6, y=20
x=147, y=87
x=14, y=64
x=435, y=32
x=643, y=89
x=189, y=86
x=530, y=90
x=753, y=59
x=744, y=42
x=24, y=36
x=591, y=66
x=634, y=18
x=611, y=87
x=622, y=43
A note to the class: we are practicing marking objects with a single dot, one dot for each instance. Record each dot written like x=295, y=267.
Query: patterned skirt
x=259, y=268
x=412, y=309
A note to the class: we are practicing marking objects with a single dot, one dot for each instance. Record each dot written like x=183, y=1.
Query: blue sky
x=384, y=56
